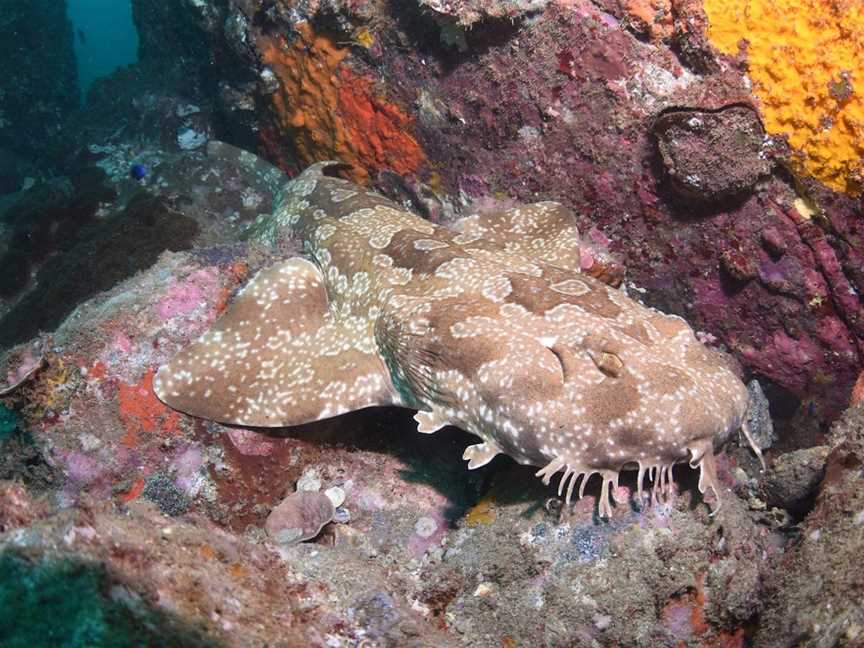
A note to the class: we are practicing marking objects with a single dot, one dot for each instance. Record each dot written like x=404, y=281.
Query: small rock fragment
x=309, y=481
x=336, y=495
x=189, y=139
x=773, y=242
x=299, y=517
x=738, y=265
x=602, y=621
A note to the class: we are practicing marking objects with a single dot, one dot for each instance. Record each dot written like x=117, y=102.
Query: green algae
x=72, y=603
x=58, y=603
x=8, y=422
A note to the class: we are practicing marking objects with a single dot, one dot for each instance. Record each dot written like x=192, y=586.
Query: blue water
x=110, y=38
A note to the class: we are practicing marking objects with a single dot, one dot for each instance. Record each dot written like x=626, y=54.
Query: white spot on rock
x=425, y=527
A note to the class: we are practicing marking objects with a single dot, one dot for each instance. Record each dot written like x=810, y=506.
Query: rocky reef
x=712, y=160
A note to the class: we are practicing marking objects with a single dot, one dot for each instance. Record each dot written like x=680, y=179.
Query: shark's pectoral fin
x=480, y=454
x=277, y=358
x=544, y=231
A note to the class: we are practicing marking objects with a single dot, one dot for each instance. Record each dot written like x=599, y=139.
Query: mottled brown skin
x=491, y=328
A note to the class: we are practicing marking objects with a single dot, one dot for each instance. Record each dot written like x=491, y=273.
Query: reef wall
x=727, y=180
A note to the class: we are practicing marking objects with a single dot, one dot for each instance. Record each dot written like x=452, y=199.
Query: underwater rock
x=794, y=477
x=18, y=507
x=31, y=224
x=672, y=591
x=710, y=155
x=13, y=170
x=47, y=219
x=814, y=587
x=23, y=461
x=174, y=42
x=135, y=577
x=759, y=417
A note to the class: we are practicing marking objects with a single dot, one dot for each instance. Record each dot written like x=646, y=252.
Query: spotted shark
x=489, y=326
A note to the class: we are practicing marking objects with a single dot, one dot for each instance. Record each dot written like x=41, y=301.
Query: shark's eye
x=607, y=362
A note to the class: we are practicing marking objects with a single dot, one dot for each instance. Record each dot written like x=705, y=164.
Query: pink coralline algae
x=185, y=296
x=795, y=352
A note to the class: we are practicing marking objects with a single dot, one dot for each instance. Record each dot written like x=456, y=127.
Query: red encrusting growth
x=684, y=617
x=326, y=111
x=134, y=491
x=378, y=130
x=141, y=411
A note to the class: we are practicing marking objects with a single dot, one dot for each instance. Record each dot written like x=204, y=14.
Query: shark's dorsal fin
x=278, y=358
x=544, y=231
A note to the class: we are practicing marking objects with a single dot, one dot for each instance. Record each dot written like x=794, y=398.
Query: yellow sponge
x=806, y=60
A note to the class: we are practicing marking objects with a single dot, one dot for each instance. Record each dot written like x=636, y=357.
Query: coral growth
x=806, y=59
x=327, y=111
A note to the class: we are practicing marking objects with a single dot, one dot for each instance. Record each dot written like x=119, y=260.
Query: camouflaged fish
x=489, y=327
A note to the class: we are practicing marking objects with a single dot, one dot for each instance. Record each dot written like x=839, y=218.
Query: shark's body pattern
x=490, y=328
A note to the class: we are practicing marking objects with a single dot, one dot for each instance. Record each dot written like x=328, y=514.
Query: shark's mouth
x=659, y=473
x=701, y=458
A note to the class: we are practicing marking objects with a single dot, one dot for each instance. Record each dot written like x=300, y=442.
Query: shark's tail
x=273, y=177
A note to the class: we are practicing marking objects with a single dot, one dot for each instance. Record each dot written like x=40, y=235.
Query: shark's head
x=560, y=386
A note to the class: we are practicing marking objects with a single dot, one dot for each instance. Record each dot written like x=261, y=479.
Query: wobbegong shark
x=489, y=326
